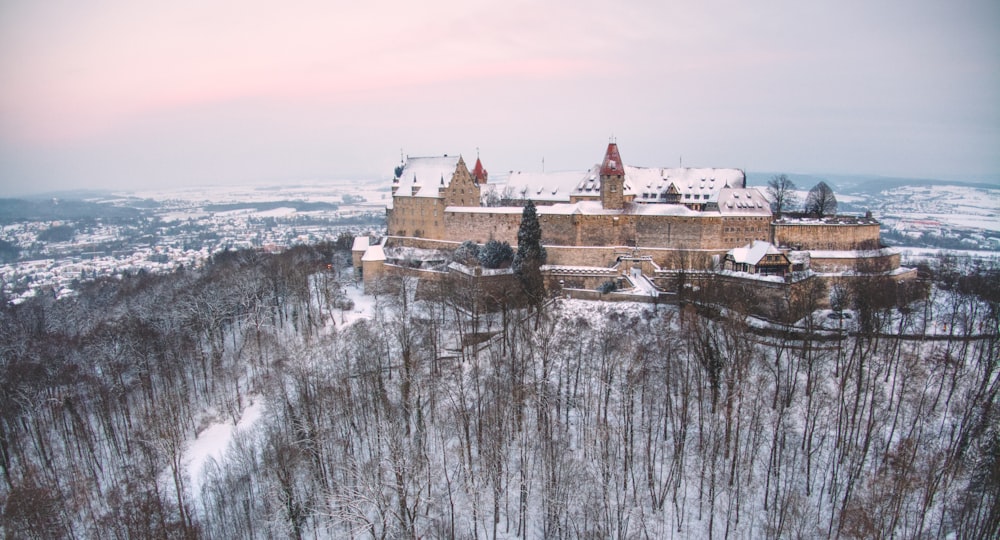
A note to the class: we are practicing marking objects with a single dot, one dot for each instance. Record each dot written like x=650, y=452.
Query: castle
x=616, y=222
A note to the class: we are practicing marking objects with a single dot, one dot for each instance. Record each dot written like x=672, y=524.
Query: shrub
x=607, y=287
x=467, y=253
x=496, y=254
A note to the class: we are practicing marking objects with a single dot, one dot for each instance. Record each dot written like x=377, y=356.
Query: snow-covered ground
x=211, y=443
x=959, y=206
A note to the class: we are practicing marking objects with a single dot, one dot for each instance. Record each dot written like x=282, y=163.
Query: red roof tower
x=612, y=179
x=612, y=161
x=479, y=173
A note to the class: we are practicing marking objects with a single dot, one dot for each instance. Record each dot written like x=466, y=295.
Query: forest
x=435, y=418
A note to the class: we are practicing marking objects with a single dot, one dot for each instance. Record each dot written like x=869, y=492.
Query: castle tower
x=612, y=179
x=479, y=174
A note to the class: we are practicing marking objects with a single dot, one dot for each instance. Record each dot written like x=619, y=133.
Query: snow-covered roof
x=374, y=253
x=752, y=253
x=693, y=185
x=360, y=243
x=545, y=187
x=427, y=173
x=743, y=201
x=423, y=176
x=588, y=208
x=648, y=185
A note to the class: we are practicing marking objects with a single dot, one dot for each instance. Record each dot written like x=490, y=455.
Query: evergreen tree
x=495, y=254
x=530, y=255
x=467, y=253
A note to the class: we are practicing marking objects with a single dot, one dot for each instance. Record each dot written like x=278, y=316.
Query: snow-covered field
x=960, y=206
x=376, y=192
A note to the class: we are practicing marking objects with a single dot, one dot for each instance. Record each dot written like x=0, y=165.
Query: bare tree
x=781, y=191
x=821, y=201
x=490, y=196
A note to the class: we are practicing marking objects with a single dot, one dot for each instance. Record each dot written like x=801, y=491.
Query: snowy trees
x=781, y=191
x=495, y=254
x=821, y=201
x=605, y=420
x=467, y=253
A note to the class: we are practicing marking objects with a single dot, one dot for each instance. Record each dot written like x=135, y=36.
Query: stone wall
x=865, y=262
x=559, y=277
x=372, y=271
x=608, y=256
x=481, y=227
x=826, y=236
x=422, y=243
x=710, y=231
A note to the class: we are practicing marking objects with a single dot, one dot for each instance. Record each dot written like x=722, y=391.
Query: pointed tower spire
x=479, y=174
x=612, y=160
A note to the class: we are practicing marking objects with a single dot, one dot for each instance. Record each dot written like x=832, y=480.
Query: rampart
x=709, y=231
x=864, y=262
x=828, y=234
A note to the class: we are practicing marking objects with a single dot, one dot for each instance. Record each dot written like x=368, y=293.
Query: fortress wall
x=826, y=236
x=606, y=257
x=599, y=256
x=678, y=231
x=863, y=262
x=481, y=227
x=423, y=243
x=701, y=232
x=558, y=278
x=709, y=231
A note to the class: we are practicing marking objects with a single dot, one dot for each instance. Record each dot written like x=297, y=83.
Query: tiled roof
x=612, y=161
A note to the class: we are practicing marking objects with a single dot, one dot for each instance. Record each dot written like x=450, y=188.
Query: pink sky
x=113, y=93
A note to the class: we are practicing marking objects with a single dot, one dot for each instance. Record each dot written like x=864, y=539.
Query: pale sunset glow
x=114, y=93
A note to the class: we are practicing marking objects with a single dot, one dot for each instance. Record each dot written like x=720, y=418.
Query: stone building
x=424, y=186
x=598, y=222
x=610, y=205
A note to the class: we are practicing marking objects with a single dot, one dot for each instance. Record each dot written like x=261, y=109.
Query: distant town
x=50, y=245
